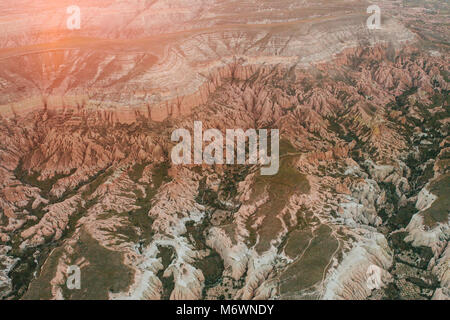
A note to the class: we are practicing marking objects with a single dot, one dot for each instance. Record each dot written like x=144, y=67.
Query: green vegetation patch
x=32, y=178
x=404, y=215
x=136, y=171
x=286, y=148
x=159, y=176
x=98, y=180
x=40, y=288
x=212, y=268
x=297, y=242
x=439, y=210
x=140, y=219
x=280, y=188
x=311, y=267
x=167, y=255
x=105, y=272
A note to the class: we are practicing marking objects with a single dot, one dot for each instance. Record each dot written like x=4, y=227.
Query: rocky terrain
x=86, y=177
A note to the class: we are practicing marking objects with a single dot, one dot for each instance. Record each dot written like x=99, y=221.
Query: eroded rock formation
x=86, y=176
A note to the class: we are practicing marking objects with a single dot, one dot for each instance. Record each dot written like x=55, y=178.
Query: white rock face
x=259, y=267
x=425, y=199
x=189, y=282
x=419, y=235
x=442, y=271
x=436, y=237
x=147, y=285
x=235, y=256
x=362, y=205
x=349, y=279
x=441, y=294
x=6, y=265
x=174, y=208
